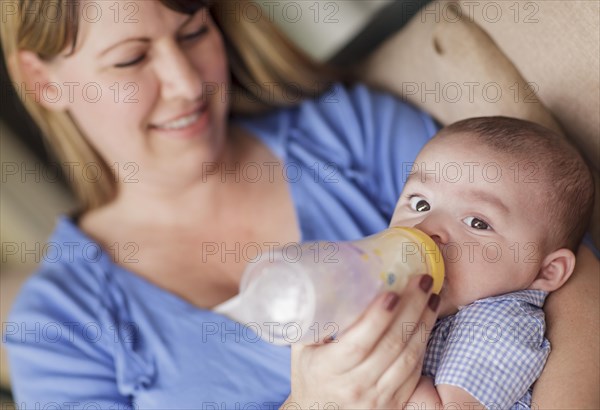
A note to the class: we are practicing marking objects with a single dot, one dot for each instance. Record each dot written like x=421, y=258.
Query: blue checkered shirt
x=494, y=348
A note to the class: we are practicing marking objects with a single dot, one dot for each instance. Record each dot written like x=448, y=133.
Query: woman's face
x=146, y=86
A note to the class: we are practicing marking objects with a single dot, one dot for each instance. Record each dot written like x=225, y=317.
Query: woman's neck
x=188, y=200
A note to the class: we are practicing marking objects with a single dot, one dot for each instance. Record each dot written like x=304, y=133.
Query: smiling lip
x=186, y=127
x=180, y=120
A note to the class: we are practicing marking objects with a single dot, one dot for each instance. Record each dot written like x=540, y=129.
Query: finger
x=412, y=358
x=393, y=342
x=354, y=345
x=298, y=362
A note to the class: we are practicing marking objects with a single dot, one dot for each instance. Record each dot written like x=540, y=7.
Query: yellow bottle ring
x=432, y=254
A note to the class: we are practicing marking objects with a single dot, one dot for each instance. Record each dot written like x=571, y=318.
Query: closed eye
x=188, y=37
x=197, y=34
x=133, y=62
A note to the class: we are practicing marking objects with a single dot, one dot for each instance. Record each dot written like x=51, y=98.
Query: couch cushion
x=554, y=44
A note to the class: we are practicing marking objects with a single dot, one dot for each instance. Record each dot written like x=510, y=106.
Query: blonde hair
x=259, y=56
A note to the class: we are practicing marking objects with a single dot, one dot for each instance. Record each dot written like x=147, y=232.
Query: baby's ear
x=555, y=269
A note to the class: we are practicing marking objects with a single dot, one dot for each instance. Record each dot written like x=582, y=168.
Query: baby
x=508, y=202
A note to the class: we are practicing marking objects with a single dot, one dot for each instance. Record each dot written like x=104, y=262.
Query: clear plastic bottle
x=318, y=289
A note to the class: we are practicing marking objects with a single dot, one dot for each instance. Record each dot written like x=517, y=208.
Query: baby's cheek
x=396, y=218
x=395, y=221
x=401, y=217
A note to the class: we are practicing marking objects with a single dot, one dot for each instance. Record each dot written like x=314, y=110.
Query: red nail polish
x=434, y=302
x=390, y=301
x=426, y=283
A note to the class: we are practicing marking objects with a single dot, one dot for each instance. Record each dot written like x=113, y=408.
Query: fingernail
x=434, y=302
x=390, y=301
x=426, y=283
x=330, y=339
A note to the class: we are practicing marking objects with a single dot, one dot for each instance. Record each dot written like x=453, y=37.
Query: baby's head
x=508, y=202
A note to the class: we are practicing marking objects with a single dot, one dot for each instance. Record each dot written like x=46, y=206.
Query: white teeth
x=181, y=122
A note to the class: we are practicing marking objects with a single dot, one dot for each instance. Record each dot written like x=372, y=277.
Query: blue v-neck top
x=86, y=333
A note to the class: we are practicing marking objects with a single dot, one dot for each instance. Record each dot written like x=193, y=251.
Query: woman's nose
x=179, y=78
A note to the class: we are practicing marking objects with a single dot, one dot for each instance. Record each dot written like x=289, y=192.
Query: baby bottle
x=315, y=291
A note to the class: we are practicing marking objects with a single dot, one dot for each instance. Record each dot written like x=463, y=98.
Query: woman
x=133, y=321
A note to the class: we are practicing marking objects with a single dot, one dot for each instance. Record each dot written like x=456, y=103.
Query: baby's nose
x=437, y=239
x=434, y=229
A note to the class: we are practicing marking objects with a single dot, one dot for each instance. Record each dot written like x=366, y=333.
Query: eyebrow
x=141, y=39
x=419, y=175
x=477, y=195
x=491, y=199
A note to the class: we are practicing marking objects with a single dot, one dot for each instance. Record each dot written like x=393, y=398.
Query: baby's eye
x=419, y=204
x=476, y=223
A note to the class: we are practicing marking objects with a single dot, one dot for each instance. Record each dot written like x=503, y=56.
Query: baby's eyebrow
x=491, y=199
x=476, y=194
x=417, y=175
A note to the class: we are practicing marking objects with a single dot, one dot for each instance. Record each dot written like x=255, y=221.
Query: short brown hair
x=567, y=182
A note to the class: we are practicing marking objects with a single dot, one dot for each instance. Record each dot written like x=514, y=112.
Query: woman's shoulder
x=71, y=277
x=338, y=96
x=71, y=322
x=343, y=122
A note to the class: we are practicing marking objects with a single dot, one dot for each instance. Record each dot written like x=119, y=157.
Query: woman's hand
x=376, y=363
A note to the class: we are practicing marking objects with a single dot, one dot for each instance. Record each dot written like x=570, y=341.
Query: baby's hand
x=425, y=396
x=428, y=396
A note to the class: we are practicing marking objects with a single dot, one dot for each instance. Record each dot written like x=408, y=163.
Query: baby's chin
x=446, y=307
x=445, y=311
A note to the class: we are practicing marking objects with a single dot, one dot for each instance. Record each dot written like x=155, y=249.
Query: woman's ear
x=36, y=80
x=556, y=268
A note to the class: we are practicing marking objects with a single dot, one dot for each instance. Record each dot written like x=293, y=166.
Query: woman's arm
x=571, y=376
x=54, y=361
